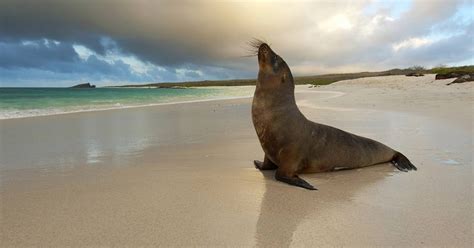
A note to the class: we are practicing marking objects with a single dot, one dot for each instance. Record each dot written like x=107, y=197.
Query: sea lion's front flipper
x=267, y=164
x=293, y=180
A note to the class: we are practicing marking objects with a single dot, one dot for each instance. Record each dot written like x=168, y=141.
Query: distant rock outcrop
x=415, y=74
x=463, y=78
x=447, y=75
x=84, y=86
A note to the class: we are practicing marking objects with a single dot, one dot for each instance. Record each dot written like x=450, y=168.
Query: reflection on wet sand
x=285, y=207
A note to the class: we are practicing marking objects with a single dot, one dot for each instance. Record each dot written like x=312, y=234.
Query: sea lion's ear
x=283, y=77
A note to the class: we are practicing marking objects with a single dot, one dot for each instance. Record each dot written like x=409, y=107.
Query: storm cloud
x=144, y=41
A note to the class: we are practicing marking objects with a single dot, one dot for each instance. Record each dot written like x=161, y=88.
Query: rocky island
x=84, y=86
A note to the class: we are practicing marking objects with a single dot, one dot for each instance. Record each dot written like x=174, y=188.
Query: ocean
x=29, y=102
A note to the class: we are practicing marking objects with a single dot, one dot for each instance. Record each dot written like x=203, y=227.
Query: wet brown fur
x=293, y=144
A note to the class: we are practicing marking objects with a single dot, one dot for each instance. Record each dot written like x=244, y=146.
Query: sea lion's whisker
x=253, y=45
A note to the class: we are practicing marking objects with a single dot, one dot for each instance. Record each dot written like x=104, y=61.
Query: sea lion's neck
x=276, y=91
x=272, y=94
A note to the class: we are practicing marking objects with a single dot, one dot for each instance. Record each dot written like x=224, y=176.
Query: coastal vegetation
x=317, y=79
x=468, y=69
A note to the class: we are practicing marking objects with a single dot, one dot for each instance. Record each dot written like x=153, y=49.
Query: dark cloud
x=162, y=32
x=52, y=63
x=38, y=59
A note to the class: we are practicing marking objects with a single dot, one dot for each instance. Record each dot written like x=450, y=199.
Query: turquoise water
x=27, y=102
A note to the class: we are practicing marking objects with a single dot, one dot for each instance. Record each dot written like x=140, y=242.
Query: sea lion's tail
x=402, y=163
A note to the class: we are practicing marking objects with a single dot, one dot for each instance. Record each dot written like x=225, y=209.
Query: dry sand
x=182, y=175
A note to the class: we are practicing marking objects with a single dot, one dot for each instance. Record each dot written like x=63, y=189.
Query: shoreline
x=126, y=107
x=298, y=89
x=118, y=106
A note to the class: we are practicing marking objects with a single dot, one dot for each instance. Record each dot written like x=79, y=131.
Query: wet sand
x=182, y=175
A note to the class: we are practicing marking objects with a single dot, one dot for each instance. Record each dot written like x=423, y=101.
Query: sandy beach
x=182, y=174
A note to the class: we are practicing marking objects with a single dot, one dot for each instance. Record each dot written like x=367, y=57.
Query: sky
x=112, y=42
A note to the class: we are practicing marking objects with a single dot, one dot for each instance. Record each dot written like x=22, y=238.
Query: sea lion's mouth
x=267, y=59
x=263, y=51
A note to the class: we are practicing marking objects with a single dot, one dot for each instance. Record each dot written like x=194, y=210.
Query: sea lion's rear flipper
x=402, y=163
x=293, y=180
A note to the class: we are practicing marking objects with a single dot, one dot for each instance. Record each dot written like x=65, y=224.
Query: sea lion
x=293, y=144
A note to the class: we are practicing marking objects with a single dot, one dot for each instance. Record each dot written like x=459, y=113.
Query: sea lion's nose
x=263, y=52
x=264, y=48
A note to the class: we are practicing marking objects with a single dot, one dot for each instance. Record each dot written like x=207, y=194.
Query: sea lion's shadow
x=284, y=207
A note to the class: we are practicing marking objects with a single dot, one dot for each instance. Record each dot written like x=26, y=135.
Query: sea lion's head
x=268, y=60
x=273, y=70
